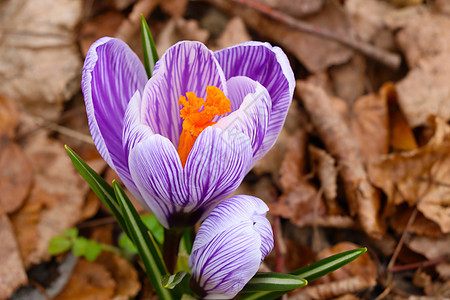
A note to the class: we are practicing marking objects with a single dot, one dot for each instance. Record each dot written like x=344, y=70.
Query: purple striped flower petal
x=112, y=73
x=185, y=67
x=157, y=172
x=270, y=67
x=216, y=166
x=227, y=249
x=253, y=115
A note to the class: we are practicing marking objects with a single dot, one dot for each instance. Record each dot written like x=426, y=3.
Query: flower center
x=197, y=119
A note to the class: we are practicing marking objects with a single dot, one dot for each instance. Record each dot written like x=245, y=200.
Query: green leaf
x=126, y=244
x=313, y=271
x=273, y=282
x=102, y=189
x=79, y=246
x=171, y=281
x=188, y=240
x=145, y=244
x=148, y=45
x=153, y=225
x=70, y=233
x=92, y=250
x=59, y=245
x=328, y=265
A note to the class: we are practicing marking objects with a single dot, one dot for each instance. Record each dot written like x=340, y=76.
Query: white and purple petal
x=112, y=73
x=270, y=67
x=253, y=115
x=216, y=166
x=185, y=67
x=229, y=248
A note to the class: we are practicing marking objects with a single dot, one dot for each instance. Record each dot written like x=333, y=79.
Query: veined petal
x=228, y=213
x=134, y=131
x=223, y=268
x=229, y=247
x=157, y=172
x=216, y=166
x=253, y=115
x=185, y=67
x=270, y=67
x=112, y=73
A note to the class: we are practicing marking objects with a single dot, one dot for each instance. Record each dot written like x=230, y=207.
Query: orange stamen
x=197, y=119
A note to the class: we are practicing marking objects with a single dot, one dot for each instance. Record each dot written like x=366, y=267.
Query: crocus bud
x=229, y=247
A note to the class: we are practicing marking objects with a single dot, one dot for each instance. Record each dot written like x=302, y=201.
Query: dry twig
x=389, y=59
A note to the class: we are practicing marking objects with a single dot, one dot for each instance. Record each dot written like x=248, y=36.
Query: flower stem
x=171, y=244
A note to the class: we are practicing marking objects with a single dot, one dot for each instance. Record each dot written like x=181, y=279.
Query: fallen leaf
x=350, y=80
x=8, y=117
x=315, y=53
x=90, y=281
x=424, y=91
x=443, y=6
x=55, y=202
x=234, y=33
x=419, y=177
x=430, y=247
x=12, y=272
x=16, y=177
x=178, y=29
x=324, y=165
x=444, y=270
x=175, y=8
x=296, y=8
x=105, y=24
x=40, y=65
x=433, y=288
x=293, y=163
x=420, y=226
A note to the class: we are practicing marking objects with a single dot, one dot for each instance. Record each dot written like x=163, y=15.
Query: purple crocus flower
x=178, y=154
x=229, y=247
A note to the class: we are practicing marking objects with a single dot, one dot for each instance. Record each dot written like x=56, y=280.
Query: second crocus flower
x=229, y=247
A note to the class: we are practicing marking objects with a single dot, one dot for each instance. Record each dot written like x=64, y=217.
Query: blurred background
x=363, y=159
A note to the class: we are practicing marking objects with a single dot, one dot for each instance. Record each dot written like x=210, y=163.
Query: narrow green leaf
x=188, y=240
x=313, y=271
x=328, y=265
x=153, y=225
x=171, y=281
x=149, y=254
x=92, y=250
x=100, y=187
x=148, y=45
x=59, y=245
x=273, y=282
x=79, y=246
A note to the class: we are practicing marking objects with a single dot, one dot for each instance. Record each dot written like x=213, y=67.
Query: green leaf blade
x=171, y=281
x=273, y=282
x=148, y=45
x=100, y=187
x=145, y=244
x=59, y=245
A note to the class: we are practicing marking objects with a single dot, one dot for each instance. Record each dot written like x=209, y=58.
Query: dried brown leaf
x=175, y=8
x=419, y=177
x=296, y=8
x=12, y=271
x=16, y=177
x=339, y=142
x=55, y=202
x=424, y=91
x=324, y=165
x=178, y=29
x=90, y=281
x=430, y=247
x=294, y=160
x=8, y=117
x=40, y=65
x=420, y=226
x=234, y=33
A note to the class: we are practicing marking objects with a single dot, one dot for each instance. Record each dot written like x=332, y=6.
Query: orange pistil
x=197, y=119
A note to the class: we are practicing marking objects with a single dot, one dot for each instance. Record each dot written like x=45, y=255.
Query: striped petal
x=112, y=73
x=185, y=67
x=253, y=115
x=227, y=249
x=270, y=67
x=157, y=172
x=216, y=166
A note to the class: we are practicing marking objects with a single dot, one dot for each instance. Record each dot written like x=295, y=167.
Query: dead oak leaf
x=419, y=177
